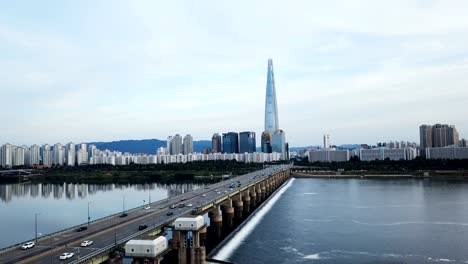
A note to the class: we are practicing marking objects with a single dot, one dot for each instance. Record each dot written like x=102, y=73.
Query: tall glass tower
x=271, y=107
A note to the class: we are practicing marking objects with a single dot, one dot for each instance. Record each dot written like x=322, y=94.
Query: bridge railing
x=63, y=231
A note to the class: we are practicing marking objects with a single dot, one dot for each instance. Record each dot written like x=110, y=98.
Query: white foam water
x=225, y=252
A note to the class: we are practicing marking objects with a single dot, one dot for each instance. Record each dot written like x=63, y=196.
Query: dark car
x=141, y=227
x=181, y=205
x=169, y=213
x=123, y=215
x=81, y=228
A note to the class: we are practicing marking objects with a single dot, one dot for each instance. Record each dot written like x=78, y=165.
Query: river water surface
x=357, y=221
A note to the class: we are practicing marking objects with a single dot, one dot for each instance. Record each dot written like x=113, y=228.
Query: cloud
x=364, y=70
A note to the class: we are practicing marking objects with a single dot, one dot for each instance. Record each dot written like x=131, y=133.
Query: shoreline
x=379, y=176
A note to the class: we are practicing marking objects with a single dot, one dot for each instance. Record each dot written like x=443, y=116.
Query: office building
x=271, y=106
x=216, y=143
x=278, y=143
x=266, y=142
x=247, y=142
x=230, y=142
x=188, y=144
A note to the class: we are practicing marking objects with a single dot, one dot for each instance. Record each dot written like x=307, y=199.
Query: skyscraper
x=188, y=144
x=230, y=142
x=247, y=142
x=437, y=136
x=278, y=143
x=216, y=143
x=326, y=141
x=266, y=142
x=271, y=107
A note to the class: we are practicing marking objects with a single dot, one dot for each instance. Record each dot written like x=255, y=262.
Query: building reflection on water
x=73, y=191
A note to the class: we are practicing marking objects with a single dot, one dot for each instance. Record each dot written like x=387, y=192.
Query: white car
x=189, y=205
x=203, y=195
x=28, y=245
x=66, y=255
x=147, y=207
x=86, y=243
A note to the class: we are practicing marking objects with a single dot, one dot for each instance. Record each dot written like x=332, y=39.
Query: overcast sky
x=362, y=71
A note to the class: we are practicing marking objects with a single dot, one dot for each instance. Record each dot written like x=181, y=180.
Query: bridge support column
x=246, y=202
x=216, y=220
x=182, y=248
x=238, y=207
x=253, y=198
x=264, y=193
x=228, y=214
x=203, y=236
x=197, y=252
x=259, y=194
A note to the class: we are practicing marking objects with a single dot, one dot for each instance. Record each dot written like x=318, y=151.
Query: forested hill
x=148, y=146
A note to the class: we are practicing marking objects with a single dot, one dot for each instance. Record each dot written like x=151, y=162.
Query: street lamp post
x=35, y=223
x=88, y=214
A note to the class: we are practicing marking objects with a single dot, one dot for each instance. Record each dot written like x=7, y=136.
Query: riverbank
x=450, y=176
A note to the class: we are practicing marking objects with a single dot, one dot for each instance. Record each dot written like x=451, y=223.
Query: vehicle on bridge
x=169, y=213
x=81, y=228
x=181, y=205
x=141, y=227
x=196, y=210
x=28, y=245
x=66, y=255
x=173, y=206
x=123, y=215
x=87, y=243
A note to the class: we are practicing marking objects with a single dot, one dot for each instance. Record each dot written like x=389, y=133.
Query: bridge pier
x=246, y=202
x=228, y=214
x=253, y=196
x=216, y=221
x=238, y=207
x=197, y=252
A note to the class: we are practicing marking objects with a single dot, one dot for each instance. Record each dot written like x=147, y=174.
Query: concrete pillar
x=216, y=220
x=259, y=194
x=182, y=248
x=264, y=193
x=238, y=206
x=253, y=197
x=246, y=202
x=228, y=214
x=197, y=252
x=203, y=236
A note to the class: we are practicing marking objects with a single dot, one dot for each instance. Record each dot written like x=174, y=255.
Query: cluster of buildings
x=228, y=146
x=442, y=141
x=439, y=141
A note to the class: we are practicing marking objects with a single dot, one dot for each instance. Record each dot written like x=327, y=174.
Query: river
x=59, y=206
x=357, y=221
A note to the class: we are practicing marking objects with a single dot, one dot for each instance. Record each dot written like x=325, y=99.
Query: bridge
x=225, y=202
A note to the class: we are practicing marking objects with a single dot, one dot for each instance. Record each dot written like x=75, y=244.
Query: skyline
x=86, y=71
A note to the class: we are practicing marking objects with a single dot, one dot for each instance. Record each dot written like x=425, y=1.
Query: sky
x=362, y=71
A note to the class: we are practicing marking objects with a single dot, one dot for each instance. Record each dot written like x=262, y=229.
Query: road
x=107, y=231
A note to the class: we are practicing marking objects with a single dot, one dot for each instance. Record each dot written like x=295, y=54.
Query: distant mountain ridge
x=148, y=146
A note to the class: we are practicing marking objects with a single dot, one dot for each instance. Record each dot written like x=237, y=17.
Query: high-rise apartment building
x=70, y=154
x=5, y=156
x=46, y=155
x=230, y=142
x=247, y=142
x=176, y=145
x=58, y=154
x=216, y=143
x=437, y=136
x=168, y=144
x=33, y=155
x=188, y=144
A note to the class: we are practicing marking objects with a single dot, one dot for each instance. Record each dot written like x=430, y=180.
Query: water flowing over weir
x=245, y=230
